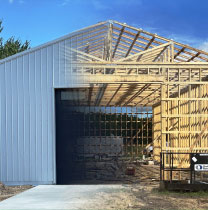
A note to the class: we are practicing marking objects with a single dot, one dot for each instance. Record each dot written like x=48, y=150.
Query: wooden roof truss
x=117, y=49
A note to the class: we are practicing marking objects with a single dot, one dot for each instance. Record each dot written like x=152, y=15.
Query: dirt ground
x=9, y=191
x=146, y=197
x=142, y=193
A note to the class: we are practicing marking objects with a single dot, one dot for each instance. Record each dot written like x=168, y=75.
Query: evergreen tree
x=11, y=46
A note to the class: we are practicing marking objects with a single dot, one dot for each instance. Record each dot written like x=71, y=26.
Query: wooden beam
x=159, y=42
x=160, y=53
x=114, y=94
x=163, y=39
x=179, y=52
x=192, y=58
x=100, y=94
x=128, y=91
x=135, y=95
x=143, y=52
x=132, y=44
x=147, y=96
x=90, y=94
x=118, y=41
x=107, y=57
x=109, y=42
x=85, y=54
x=148, y=45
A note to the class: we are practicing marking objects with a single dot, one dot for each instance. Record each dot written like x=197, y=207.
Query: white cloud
x=65, y=2
x=103, y=5
x=192, y=41
x=19, y=1
x=185, y=39
x=145, y=28
x=99, y=5
x=128, y=2
x=204, y=46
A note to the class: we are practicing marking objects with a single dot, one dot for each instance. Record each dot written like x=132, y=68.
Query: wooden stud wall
x=184, y=115
x=156, y=129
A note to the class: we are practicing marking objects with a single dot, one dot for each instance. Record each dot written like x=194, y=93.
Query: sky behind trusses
x=40, y=21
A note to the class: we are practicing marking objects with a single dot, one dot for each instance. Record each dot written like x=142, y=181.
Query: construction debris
x=116, y=171
x=150, y=162
x=130, y=170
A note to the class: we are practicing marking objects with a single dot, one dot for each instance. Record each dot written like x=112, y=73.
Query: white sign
x=194, y=159
x=201, y=167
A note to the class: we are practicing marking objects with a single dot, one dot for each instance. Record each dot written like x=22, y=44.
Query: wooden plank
x=90, y=94
x=114, y=95
x=192, y=58
x=85, y=54
x=113, y=79
x=132, y=44
x=143, y=52
x=118, y=41
x=136, y=94
x=164, y=39
x=162, y=51
x=179, y=52
x=137, y=103
x=148, y=45
x=184, y=99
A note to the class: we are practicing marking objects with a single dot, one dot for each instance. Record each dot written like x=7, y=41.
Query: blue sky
x=44, y=20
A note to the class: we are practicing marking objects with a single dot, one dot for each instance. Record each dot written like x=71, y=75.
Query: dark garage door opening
x=94, y=145
x=66, y=136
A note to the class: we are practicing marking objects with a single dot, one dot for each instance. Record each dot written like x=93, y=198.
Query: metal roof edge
x=49, y=43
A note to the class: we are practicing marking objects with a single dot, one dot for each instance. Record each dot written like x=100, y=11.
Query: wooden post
x=137, y=132
x=172, y=52
x=163, y=120
x=189, y=104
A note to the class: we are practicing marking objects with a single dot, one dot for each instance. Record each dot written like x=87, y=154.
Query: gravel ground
x=9, y=191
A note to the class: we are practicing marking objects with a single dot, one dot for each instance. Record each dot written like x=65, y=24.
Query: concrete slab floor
x=59, y=197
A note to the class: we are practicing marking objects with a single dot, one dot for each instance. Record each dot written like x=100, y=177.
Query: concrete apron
x=56, y=197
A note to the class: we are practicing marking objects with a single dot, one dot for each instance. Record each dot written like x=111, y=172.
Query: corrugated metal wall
x=27, y=111
x=27, y=114
x=27, y=129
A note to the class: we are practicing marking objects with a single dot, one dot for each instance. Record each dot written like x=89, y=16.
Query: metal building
x=131, y=65
x=27, y=104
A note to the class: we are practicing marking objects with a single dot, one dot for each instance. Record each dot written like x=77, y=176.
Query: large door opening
x=94, y=144
x=65, y=140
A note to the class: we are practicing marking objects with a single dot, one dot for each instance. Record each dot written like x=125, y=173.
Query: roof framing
x=111, y=49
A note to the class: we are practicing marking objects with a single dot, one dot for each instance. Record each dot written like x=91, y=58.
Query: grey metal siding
x=27, y=134
x=27, y=116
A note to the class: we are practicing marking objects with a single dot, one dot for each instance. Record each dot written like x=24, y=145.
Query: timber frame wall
x=180, y=119
x=119, y=65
